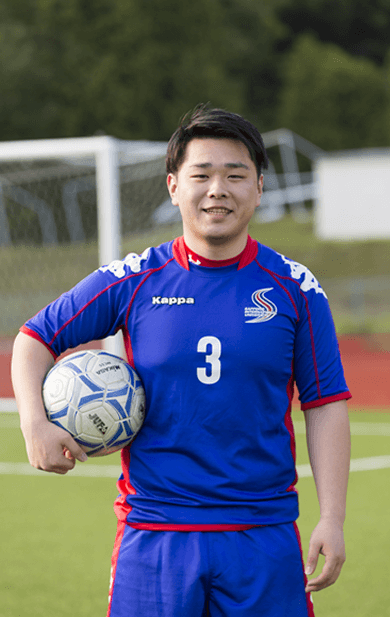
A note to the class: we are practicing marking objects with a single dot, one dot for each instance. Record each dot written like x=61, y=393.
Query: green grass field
x=58, y=531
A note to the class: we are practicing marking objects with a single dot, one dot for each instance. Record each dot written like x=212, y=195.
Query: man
x=218, y=327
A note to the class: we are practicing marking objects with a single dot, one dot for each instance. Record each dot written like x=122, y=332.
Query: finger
x=61, y=470
x=54, y=461
x=72, y=450
x=312, y=557
x=328, y=576
x=55, y=467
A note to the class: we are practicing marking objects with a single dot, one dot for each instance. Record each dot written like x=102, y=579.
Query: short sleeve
x=92, y=310
x=318, y=369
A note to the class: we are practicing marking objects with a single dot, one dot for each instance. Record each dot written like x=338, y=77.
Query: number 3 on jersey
x=211, y=346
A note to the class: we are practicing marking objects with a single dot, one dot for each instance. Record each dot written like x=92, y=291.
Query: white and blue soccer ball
x=98, y=398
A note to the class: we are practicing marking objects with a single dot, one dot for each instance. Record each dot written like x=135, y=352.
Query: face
x=217, y=191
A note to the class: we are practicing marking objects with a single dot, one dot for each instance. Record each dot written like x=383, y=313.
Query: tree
x=333, y=99
x=132, y=68
x=360, y=27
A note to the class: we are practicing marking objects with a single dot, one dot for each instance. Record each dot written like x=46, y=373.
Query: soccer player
x=219, y=328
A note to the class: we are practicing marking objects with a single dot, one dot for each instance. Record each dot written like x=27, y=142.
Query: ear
x=260, y=188
x=172, y=188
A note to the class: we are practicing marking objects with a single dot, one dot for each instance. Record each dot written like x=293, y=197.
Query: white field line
x=113, y=471
x=357, y=464
x=80, y=471
x=7, y=405
x=378, y=429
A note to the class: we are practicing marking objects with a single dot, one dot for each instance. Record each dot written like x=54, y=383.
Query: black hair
x=215, y=123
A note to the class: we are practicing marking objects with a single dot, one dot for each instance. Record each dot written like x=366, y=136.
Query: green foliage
x=21, y=77
x=387, y=77
x=335, y=100
x=360, y=27
x=132, y=68
x=257, y=31
x=129, y=69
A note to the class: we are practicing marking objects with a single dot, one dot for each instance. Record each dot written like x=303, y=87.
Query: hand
x=51, y=448
x=327, y=539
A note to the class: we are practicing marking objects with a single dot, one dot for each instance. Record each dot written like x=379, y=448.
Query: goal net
x=68, y=206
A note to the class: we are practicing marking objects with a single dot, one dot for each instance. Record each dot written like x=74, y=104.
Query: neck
x=216, y=252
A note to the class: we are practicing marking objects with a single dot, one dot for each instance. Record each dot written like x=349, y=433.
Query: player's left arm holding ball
x=49, y=447
x=328, y=440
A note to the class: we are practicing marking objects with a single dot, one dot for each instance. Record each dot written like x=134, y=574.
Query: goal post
x=105, y=150
x=35, y=174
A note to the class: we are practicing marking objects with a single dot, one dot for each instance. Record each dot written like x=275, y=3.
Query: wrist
x=31, y=418
x=334, y=518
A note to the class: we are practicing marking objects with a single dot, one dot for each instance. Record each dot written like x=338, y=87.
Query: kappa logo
x=172, y=301
x=263, y=309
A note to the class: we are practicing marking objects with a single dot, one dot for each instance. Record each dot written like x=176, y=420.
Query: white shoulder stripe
x=309, y=280
x=132, y=260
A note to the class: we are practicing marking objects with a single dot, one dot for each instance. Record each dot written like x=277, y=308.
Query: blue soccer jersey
x=218, y=351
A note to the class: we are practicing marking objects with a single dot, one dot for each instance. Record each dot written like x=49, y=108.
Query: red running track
x=366, y=361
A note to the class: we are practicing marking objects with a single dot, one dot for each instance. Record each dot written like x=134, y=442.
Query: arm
x=49, y=447
x=328, y=440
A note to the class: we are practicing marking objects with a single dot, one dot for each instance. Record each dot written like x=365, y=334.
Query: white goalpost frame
x=105, y=150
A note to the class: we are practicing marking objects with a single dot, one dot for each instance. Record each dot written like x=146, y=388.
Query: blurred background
x=132, y=68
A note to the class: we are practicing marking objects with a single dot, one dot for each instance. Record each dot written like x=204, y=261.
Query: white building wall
x=353, y=195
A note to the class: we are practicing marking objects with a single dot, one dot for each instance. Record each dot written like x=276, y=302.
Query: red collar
x=183, y=255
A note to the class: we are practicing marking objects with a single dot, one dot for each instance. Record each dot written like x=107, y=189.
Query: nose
x=217, y=188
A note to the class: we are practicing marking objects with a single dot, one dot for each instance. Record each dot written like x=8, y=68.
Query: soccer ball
x=98, y=398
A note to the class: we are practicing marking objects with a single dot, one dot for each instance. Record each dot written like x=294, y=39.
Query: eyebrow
x=227, y=165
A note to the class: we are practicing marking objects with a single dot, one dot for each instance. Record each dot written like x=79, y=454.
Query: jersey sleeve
x=92, y=310
x=318, y=369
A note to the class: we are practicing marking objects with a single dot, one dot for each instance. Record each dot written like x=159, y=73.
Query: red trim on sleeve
x=327, y=399
x=178, y=527
x=35, y=335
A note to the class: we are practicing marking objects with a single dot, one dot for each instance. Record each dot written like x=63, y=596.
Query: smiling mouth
x=217, y=210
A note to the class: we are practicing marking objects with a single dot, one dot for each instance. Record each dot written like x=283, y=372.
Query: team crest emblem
x=263, y=309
